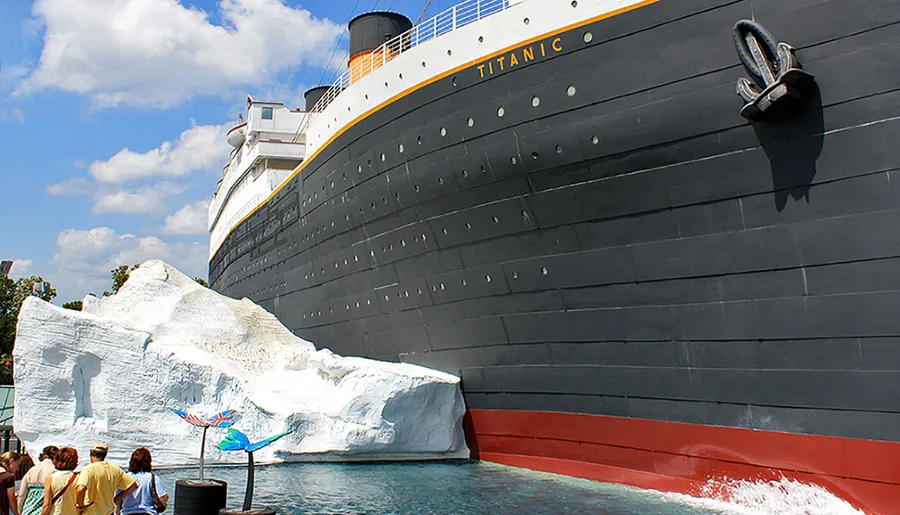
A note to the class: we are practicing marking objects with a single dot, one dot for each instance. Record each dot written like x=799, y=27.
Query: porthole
x=481, y=39
x=544, y=270
x=367, y=96
x=513, y=160
x=559, y=149
x=400, y=75
x=454, y=82
x=444, y=230
x=515, y=275
x=465, y=173
x=487, y=278
x=496, y=220
x=400, y=148
x=385, y=84
x=348, y=109
x=423, y=64
x=535, y=101
x=419, y=140
x=440, y=180
x=534, y=155
x=574, y=3
x=450, y=52
x=464, y=283
x=595, y=140
x=417, y=187
x=468, y=226
x=443, y=131
x=359, y=169
x=370, y=163
x=470, y=122
x=419, y=291
x=500, y=111
x=588, y=37
x=382, y=157
x=442, y=287
x=570, y=91
x=526, y=21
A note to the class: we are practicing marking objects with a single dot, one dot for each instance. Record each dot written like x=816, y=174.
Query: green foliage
x=201, y=281
x=119, y=276
x=12, y=294
x=74, y=305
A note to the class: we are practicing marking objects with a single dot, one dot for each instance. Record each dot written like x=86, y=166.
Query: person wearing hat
x=95, y=488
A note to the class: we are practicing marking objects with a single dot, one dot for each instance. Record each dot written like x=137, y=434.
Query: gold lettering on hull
x=509, y=60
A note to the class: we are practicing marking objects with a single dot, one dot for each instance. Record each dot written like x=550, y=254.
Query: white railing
x=453, y=18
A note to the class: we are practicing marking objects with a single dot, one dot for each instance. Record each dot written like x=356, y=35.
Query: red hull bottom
x=675, y=457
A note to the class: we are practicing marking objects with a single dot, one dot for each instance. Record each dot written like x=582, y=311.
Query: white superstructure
x=267, y=149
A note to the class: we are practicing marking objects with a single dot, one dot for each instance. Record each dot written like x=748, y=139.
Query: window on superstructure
x=268, y=113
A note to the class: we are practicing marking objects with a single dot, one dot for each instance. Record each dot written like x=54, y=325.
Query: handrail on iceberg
x=460, y=15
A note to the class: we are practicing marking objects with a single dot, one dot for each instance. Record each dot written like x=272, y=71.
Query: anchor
x=778, y=82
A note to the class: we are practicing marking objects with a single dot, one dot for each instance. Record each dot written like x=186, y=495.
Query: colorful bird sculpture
x=221, y=420
x=238, y=441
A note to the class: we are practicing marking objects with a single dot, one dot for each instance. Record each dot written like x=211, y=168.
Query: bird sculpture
x=238, y=441
x=221, y=420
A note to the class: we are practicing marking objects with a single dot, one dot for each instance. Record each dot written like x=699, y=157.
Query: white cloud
x=189, y=220
x=159, y=52
x=147, y=200
x=21, y=268
x=16, y=115
x=84, y=258
x=75, y=187
x=198, y=148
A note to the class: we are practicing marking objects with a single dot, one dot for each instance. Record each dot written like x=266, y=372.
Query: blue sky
x=113, y=113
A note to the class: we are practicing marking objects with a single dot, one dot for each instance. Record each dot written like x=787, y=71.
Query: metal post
x=435, y=25
x=454, y=18
x=478, y=10
x=202, y=452
x=248, y=496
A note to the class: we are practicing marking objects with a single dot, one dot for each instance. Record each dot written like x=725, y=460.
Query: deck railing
x=445, y=22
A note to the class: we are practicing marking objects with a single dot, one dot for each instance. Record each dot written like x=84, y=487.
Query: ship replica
x=658, y=240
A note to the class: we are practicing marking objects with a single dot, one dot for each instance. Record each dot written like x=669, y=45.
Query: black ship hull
x=626, y=252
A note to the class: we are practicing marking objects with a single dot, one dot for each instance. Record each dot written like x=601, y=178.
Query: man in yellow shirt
x=95, y=489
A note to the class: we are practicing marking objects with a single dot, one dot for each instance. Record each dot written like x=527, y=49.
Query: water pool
x=465, y=487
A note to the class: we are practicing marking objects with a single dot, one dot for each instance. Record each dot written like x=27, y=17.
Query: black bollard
x=193, y=497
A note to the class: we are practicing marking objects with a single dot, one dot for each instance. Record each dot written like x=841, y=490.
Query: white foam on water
x=779, y=497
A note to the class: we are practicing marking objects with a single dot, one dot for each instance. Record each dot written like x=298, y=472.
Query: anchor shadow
x=793, y=143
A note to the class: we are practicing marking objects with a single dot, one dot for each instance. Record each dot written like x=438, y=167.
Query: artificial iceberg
x=111, y=371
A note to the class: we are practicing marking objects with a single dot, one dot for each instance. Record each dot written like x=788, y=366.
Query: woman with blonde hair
x=59, y=488
x=10, y=462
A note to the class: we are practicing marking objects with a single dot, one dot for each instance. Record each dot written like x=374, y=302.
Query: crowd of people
x=52, y=487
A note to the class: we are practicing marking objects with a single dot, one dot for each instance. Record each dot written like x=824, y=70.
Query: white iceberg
x=111, y=371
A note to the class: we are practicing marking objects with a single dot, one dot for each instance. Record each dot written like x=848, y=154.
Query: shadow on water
x=793, y=144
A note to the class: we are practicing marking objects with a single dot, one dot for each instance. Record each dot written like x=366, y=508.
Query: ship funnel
x=368, y=32
x=313, y=95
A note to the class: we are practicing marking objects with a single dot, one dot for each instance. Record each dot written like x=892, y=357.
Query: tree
x=12, y=295
x=119, y=276
x=75, y=305
x=201, y=281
